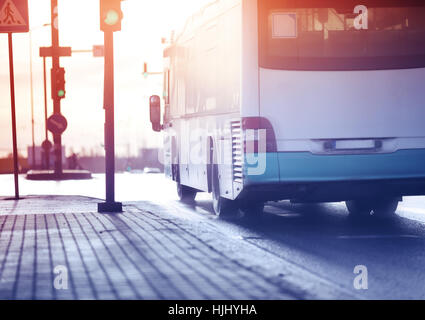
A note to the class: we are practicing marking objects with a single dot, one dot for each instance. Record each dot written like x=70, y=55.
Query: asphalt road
x=318, y=239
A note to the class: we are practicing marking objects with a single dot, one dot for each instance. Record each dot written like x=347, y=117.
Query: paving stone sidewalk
x=143, y=253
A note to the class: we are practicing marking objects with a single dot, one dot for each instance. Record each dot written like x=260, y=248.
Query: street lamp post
x=34, y=163
x=32, y=105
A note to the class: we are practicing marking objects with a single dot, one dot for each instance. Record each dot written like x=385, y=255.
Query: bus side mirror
x=155, y=112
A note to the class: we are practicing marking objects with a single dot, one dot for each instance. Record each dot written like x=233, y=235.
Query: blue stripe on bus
x=307, y=167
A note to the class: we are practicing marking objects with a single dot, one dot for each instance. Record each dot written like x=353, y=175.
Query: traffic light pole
x=57, y=138
x=46, y=132
x=108, y=103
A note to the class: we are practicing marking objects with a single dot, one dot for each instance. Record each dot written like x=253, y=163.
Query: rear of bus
x=342, y=97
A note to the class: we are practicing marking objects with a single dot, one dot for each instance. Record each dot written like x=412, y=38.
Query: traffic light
x=58, y=83
x=110, y=15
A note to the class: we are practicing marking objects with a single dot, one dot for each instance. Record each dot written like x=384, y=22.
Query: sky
x=145, y=23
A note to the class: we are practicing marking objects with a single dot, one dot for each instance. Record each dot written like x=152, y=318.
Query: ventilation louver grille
x=237, y=156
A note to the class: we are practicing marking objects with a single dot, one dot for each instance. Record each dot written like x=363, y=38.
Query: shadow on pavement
x=320, y=220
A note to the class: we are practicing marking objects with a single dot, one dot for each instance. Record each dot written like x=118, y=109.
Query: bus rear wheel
x=252, y=210
x=222, y=207
x=359, y=208
x=385, y=208
x=381, y=208
x=185, y=193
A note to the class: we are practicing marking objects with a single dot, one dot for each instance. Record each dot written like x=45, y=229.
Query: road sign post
x=57, y=138
x=110, y=21
x=13, y=18
x=58, y=82
x=13, y=108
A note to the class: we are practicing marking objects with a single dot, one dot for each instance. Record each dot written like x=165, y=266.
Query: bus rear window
x=341, y=38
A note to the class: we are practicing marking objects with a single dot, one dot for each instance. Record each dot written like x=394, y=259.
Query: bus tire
x=252, y=210
x=359, y=208
x=185, y=193
x=385, y=208
x=222, y=207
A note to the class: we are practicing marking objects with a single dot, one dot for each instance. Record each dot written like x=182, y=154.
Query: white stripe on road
x=413, y=210
x=379, y=236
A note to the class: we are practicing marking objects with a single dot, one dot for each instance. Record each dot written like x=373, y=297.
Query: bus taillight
x=258, y=135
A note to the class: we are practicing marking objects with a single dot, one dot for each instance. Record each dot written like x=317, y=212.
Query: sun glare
x=144, y=24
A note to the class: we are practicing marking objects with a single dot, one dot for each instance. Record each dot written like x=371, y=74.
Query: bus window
x=191, y=80
x=326, y=37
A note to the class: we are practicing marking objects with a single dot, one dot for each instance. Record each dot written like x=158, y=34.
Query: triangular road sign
x=10, y=15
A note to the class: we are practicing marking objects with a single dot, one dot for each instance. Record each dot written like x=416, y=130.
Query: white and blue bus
x=311, y=101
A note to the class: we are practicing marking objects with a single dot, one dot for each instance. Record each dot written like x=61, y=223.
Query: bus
x=301, y=100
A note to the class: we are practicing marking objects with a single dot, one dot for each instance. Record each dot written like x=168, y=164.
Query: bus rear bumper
x=310, y=177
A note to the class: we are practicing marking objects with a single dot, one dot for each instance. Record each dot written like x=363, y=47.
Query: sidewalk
x=144, y=253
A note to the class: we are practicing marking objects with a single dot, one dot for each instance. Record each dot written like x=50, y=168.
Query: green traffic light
x=112, y=17
x=61, y=93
